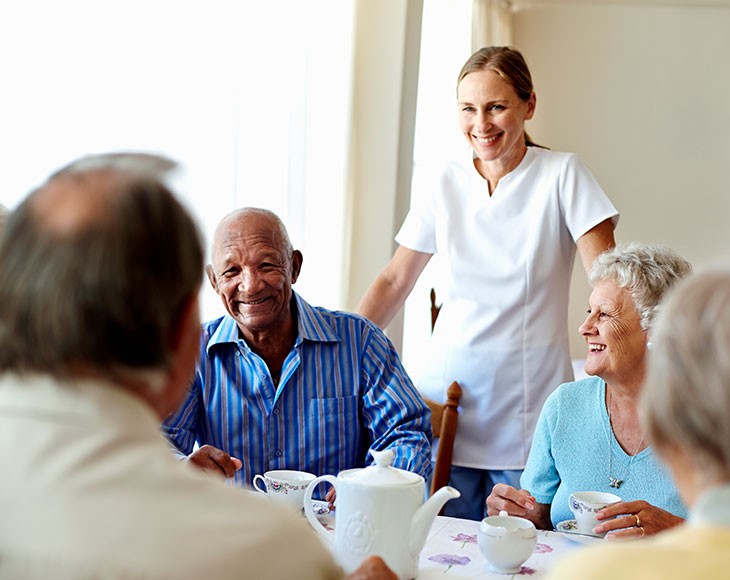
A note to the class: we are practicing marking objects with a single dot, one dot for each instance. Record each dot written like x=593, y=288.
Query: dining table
x=452, y=550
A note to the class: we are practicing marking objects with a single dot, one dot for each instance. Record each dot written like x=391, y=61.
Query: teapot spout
x=423, y=518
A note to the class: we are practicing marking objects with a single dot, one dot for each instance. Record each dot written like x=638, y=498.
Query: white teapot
x=380, y=511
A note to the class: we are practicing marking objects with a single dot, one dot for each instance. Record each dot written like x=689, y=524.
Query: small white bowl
x=506, y=542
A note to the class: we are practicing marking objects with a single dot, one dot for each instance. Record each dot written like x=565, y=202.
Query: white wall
x=384, y=87
x=641, y=92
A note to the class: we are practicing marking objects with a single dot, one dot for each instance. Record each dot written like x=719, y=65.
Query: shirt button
x=276, y=411
x=278, y=452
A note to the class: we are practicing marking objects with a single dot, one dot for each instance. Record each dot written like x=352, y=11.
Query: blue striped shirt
x=342, y=391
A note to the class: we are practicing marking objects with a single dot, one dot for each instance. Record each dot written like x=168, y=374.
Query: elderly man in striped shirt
x=281, y=384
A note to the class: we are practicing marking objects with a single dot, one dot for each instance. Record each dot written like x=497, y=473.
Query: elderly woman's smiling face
x=612, y=329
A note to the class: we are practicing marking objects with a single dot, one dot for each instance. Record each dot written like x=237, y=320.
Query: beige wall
x=642, y=93
x=639, y=90
x=385, y=86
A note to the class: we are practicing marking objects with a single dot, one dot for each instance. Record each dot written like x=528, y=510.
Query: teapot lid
x=383, y=473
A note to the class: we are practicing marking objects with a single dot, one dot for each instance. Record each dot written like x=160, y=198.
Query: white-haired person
x=100, y=269
x=4, y=213
x=685, y=409
x=588, y=435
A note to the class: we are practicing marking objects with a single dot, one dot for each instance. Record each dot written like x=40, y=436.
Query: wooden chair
x=434, y=309
x=444, y=419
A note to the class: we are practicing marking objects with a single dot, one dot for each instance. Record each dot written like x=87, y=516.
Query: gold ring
x=643, y=531
x=638, y=521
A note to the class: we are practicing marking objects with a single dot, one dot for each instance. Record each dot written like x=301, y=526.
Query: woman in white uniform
x=507, y=219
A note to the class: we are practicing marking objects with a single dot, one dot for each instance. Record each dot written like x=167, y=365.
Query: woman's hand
x=518, y=502
x=634, y=519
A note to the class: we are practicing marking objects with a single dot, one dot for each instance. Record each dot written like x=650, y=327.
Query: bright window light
x=445, y=46
x=252, y=98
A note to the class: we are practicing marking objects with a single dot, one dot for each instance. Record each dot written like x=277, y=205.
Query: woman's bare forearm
x=389, y=291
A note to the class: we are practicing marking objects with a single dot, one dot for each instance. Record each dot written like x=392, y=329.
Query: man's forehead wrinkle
x=233, y=250
x=246, y=233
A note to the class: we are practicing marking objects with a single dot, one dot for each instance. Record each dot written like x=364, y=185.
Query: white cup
x=285, y=485
x=506, y=542
x=585, y=505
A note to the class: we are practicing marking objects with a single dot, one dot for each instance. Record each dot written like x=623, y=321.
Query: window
x=252, y=98
x=445, y=46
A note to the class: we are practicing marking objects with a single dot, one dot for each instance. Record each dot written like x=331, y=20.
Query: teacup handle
x=572, y=505
x=309, y=512
x=256, y=479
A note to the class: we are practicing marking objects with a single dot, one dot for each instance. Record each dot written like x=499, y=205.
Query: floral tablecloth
x=451, y=550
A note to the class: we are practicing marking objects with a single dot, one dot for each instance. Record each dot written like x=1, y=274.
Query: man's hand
x=209, y=458
x=373, y=568
x=330, y=497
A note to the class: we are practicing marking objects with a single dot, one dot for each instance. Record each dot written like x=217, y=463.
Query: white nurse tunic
x=502, y=330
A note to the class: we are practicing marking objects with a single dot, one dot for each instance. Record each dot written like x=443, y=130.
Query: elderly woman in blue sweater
x=588, y=436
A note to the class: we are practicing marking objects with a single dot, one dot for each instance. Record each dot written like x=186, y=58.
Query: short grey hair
x=646, y=271
x=686, y=398
x=105, y=291
x=4, y=213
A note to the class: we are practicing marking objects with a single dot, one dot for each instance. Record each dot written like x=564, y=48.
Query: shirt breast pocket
x=334, y=434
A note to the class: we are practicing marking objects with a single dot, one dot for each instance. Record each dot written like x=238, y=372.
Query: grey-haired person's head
x=645, y=270
x=95, y=267
x=4, y=213
x=686, y=398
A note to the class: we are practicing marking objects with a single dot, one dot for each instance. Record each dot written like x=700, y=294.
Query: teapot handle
x=309, y=512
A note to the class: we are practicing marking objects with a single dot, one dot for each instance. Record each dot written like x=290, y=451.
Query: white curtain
x=491, y=23
x=252, y=98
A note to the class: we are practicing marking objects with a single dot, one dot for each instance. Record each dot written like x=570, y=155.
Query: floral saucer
x=320, y=508
x=571, y=527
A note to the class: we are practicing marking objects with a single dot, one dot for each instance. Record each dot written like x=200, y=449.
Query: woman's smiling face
x=492, y=117
x=612, y=329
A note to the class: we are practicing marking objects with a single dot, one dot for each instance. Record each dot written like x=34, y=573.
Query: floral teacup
x=285, y=485
x=585, y=505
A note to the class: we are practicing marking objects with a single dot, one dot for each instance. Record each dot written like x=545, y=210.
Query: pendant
x=615, y=483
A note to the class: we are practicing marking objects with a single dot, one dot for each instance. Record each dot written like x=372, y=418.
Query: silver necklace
x=615, y=482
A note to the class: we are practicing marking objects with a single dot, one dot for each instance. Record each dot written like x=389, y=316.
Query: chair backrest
x=434, y=308
x=444, y=419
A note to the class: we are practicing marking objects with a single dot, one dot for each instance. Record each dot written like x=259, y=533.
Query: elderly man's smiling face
x=253, y=271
